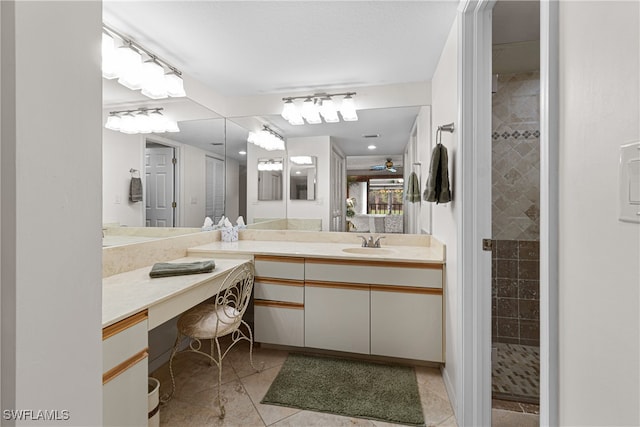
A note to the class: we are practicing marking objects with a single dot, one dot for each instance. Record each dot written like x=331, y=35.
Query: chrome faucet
x=370, y=243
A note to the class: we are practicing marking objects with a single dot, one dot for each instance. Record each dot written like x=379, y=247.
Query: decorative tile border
x=516, y=134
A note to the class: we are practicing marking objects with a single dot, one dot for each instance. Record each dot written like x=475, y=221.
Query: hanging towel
x=437, y=188
x=135, y=190
x=413, y=188
x=166, y=269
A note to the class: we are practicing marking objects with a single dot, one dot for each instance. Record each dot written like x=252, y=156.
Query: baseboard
x=451, y=391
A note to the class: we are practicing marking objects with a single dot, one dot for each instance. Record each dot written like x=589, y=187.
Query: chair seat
x=200, y=321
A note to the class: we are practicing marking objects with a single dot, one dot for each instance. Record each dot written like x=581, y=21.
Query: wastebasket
x=154, y=402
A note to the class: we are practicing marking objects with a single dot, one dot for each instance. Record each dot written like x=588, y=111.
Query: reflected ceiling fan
x=388, y=165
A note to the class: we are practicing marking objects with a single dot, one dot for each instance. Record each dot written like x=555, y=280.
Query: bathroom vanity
x=314, y=290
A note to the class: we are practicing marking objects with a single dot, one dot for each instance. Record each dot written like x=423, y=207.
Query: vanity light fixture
x=319, y=106
x=137, y=68
x=141, y=120
x=270, y=165
x=301, y=160
x=267, y=139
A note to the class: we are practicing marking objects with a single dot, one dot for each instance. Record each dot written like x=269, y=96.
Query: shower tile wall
x=516, y=208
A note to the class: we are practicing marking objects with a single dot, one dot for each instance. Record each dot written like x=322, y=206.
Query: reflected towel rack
x=444, y=128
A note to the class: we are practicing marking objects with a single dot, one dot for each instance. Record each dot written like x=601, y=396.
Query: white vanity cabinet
x=279, y=300
x=384, y=308
x=125, y=372
x=336, y=316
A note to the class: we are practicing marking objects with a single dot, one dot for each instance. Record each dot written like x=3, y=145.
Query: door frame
x=474, y=221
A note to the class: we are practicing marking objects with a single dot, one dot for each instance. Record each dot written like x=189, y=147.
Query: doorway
x=515, y=210
x=160, y=177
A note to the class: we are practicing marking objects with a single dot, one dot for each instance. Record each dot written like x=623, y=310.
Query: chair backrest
x=235, y=292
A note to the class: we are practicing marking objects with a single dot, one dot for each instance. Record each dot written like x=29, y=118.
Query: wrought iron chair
x=214, y=320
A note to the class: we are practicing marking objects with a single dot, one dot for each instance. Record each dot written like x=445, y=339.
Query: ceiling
x=254, y=48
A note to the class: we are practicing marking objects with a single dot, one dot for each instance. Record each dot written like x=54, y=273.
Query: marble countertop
x=397, y=253
x=128, y=293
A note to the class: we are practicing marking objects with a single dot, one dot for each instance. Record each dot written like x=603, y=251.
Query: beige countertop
x=131, y=292
x=353, y=251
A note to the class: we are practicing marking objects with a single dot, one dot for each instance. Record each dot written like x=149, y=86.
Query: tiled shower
x=516, y=231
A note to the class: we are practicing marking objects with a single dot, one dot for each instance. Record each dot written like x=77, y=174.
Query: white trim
x=474, y=215
x=549, y=215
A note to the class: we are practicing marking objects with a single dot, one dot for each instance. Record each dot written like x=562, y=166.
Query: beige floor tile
x=449, y=422
x=436, y=408
x=178, y=414
x=238, y=406
x=319, y=419
x=263, y=358
x=257, y=386
x=192, y=374
x=502, y=418
x=431, y=379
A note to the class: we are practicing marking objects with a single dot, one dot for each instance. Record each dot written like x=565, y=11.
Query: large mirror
x=379, y=153
x=302, y=177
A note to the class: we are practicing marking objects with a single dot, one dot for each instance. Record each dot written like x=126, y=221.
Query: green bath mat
x=348, y=387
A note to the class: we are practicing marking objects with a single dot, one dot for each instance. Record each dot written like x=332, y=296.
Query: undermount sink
x=369, y=251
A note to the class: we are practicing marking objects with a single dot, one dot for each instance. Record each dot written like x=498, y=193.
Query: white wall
x=120, y=153
x=444, y=216
x=319, y=146
x=51, y=239
x=599, y=256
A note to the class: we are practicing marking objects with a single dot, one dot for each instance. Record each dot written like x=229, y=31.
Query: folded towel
x=135, y=190
x=437, y=188
x=413, y=188
x=166, y=269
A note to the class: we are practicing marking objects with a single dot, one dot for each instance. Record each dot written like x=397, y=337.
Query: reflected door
x=214, y=188
x=160, y=180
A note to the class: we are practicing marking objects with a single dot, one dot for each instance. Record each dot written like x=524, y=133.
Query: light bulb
x=114, y=122
x=143, y=122
x=129, y=67
x=288, y=109
x=310, y=111
x=153, y=83
x=172, y=126
x=158, y=124
x=328, y=111
x=128, y=124
x=174, y=84
x=109, y=62
x=348, y=109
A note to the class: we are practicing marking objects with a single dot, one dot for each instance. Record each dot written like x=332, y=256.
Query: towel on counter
x=413, y=188
x=135, y=190
x=437, y=188
x=166, y=269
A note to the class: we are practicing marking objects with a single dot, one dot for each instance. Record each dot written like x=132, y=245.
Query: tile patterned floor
x=516, y=373
x=243, y=388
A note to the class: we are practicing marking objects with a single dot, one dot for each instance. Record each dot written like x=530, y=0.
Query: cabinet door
x=124, y=398
x=406, y=323
x=279, y=323
x=337, y=317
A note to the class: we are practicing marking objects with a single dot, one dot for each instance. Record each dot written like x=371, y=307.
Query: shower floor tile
x=516, y=373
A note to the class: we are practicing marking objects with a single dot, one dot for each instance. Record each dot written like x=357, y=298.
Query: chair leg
x=251, y=349
x=222, y=411
x=168, y=397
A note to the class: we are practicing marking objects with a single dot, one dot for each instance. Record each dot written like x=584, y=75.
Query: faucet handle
x=377, y=242
x=364, y=241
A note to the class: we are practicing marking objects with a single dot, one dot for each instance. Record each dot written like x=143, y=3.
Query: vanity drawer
x=279, y=323
x=123, y=340
x=375, y=272
x=278, y=290
x=291, y=268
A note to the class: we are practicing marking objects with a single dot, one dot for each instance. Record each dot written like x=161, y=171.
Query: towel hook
x=444, y=128
x=133, y=171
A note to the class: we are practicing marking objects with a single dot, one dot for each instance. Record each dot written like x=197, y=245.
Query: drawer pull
x=118, y=369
